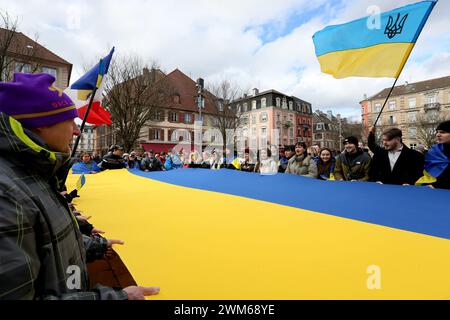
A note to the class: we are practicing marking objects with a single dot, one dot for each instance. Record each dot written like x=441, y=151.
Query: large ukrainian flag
x=227, y=234
x=358, y=49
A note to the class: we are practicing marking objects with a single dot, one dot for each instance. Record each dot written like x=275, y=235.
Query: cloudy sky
x=253, y=43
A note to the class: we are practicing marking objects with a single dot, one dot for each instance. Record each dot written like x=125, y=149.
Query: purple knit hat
x=34, y=101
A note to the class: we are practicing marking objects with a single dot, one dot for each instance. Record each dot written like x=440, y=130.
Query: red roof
x=186, y=88
x=21, y=45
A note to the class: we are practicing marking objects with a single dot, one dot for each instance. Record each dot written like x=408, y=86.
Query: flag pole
x=395, y=82
x=77, y=141
x=385, y=101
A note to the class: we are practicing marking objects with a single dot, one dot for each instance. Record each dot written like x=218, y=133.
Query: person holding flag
x=46, y=260
x=437, y=161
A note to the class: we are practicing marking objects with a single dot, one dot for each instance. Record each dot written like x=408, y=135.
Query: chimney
x=255, y=91
x=245, y=95
x=330, y=114
x=365, y=96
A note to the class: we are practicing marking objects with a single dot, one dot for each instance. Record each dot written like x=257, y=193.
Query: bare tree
x=134, y=95
x=224, y=115
x=352, y=128
x=17, y=52
x=427, y=123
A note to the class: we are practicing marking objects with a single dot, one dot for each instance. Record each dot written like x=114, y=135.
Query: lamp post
x=200, y=101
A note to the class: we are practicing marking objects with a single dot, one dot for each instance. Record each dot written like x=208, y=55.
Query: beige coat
x=302, y=166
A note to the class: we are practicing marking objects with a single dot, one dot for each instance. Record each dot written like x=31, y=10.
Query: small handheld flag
x=236, y=164
x=81, y=182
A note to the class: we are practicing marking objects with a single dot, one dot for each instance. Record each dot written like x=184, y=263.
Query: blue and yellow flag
x=435, y=164
x=236, y=164
x=362, y=49
x=93, y=78
x=81, y=181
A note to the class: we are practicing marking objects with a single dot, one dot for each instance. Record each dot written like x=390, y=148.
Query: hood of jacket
x=26, y=149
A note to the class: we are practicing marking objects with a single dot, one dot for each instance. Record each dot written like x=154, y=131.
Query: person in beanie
x=353, y=164
x=395, y=163
x=437, y=160
x=42, y=255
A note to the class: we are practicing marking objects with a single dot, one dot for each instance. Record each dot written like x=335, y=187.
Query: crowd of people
x=47, y=243
x=391, y=163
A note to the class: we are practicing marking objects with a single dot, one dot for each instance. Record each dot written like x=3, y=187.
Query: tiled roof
x=411, y=88
x=186, y=88
x=20, y=43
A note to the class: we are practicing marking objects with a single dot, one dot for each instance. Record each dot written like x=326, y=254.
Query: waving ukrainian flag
x=360, y=49
x=435, y=164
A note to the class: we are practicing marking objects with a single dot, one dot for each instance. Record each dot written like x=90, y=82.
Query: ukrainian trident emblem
x=395, y=28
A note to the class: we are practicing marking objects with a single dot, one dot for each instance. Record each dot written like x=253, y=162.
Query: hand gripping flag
x=435, y=164
x=362, y=49
x=80, y=92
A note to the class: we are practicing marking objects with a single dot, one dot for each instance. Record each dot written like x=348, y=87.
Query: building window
x=291, y=105
x=263, y=131
x=263, y=117
x=317, y=136
x=263, y=102
x=432, y=98
x=291, y=132
x=391, y=105
x=245, y=107
x=412, y=132
x=412, y=117
x=239, y=108
x=253, y=118
x=412, y=102
x=50, y=71
x=173, y=117
x=199, y=118
x=377, y=107
x=254, y=105
x=392, y=120
x=220, y=103
x=278, y=117
x=155, y=134
x=284, y=105
x=319, y=126
x=22, y=67
x=278, y=102
x=158, y=116
x=187, y=118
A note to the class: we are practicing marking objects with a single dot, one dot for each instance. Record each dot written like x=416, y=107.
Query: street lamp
x=200, y=101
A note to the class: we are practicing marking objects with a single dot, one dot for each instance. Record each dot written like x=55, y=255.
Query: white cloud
x=220, y=40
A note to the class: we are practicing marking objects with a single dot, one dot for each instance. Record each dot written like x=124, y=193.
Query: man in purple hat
x=42, y=254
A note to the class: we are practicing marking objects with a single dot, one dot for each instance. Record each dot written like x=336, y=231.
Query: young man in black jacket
x=114, y=159
x=395, y=163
